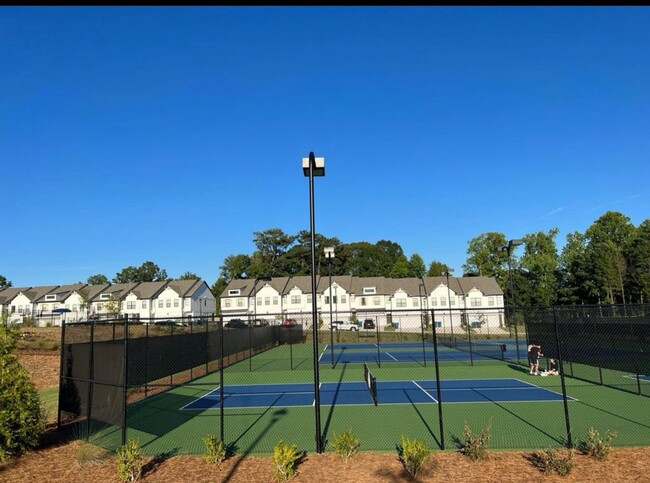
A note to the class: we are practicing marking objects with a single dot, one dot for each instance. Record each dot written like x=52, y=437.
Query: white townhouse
x=49, y=305
x=390, y=301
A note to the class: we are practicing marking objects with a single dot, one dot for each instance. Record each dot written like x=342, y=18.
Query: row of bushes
x=413, y=453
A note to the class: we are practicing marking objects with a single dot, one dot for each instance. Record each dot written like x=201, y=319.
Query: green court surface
x=162, y=428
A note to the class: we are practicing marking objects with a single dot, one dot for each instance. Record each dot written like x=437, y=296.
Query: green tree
x=609, y=238
x=486, y=260
x=436, y=269
x=400, y=268
x=97, y=279
x=113, y=306
x=235, y=267
x=4, y=283
x=217, y=289
x=638, y=256
x=364, y=259
x=574, y=271
x=540, y=261
x=416, y=266
x=271, y=245
x=21, y=419
x=189, y=276
x=147, y=272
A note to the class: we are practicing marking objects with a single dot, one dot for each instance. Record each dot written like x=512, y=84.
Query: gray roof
x=120, y=290
x=10, y=293
x=62, y=292
x=303, y=282
x=36, y=293
x=487, y=285
x=147, y=290
x=93, y=291
x=185, y=288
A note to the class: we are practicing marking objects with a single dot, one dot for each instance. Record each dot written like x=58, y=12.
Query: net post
x=437, y=366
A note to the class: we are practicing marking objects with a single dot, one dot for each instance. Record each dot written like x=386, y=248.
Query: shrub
x=345, y=444
x=552, y=461
x=89, y=454
x=284, y=461
x=475, y=446
x=215, y=450
x=129, y=462
x=21, y=417
x=413, y=453
x=596, y=447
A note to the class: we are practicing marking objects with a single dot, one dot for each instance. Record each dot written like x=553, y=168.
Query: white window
x=376, y=300
x=187, y=303
x=416, y=302
x=175, y=302
x=104, y=296
x=443, y=301
x=369, y=290
x=275, y=301
x=295, y=299
x=226, y=303
x=491, y=301
x=363, y=301
x=452, y=301
x=400, y=303
x=475, y=301
x=168, y=303
x=20, y=309
x=144, y=304
x=342, y=299
x=75, y=308
x=434, y=301
x=309, y=298
x=240, y=302
x=130, y=305
x=267, y=300
x=234, y=292
x=50, y=297
x=258, y=301
x=160, y=303
x=327, y=299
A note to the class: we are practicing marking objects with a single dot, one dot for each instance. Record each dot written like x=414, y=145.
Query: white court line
x=425, y=391
x=198, y=399
x=546, y=389
x=388, y=354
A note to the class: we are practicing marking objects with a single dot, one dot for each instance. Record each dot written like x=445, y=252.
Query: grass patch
x=49, y=402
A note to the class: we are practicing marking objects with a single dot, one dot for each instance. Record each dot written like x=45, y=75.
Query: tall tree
x=97, y=279
x=271, y=245
x=400, y=268
x=235, y=266
x=147, y=272
x=608, y=239
x=574, y=271
x=436, y=269
x=416, y=266
x=189, y=276
x=540, y=260
x=485, y=259
x=4, y=283
x=638, y=256
x=363, y=259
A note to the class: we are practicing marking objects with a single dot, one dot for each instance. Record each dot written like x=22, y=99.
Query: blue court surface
x=415, y=352
x=388, y=392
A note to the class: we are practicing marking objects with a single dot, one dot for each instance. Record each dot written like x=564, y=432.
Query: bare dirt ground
x=56, y=461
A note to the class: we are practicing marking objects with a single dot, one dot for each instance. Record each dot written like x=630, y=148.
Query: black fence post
x=91, y=382
x=561, y=367
x=424, y=352
x=221, y=417
x=516, y=335
x=126, y=377
x=61, y=385
x=437, y=364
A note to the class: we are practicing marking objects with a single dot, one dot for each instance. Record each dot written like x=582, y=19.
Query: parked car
x=368, y=324
x=341, y=325
x=260, y=323
x=236, y=324
x=289, y=322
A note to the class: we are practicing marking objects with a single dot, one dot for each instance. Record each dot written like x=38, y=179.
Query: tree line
x=607, y=264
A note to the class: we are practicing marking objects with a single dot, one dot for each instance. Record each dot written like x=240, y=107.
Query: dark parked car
x=368, y=324
x=289, y=322
x=236, y=324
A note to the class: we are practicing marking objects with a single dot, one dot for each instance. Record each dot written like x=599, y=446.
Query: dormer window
x=234, y=292
x=369, y=290
x=105, y=296
x=49, y=298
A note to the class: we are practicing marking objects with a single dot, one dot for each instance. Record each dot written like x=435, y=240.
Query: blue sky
x=172, y=134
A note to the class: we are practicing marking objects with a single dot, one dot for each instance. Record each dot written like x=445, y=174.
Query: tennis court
x=388, y=392
x=418, y=352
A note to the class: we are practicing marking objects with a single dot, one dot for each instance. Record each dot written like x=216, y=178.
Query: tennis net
x=371, y=382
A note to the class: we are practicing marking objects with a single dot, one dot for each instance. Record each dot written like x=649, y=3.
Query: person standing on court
x=534, y=353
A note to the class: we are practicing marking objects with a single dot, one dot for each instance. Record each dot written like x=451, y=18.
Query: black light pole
x=509, y=248
x=311, y=167
x=451, y=317
x=329, y=253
